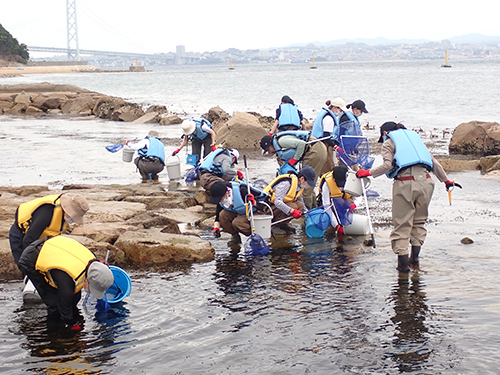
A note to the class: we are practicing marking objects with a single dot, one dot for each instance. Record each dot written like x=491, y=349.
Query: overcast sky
x=157, y=26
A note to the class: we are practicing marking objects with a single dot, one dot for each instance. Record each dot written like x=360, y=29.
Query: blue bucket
x=192, y=159
x=121, y=286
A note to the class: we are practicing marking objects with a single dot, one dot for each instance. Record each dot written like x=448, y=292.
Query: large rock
x=476, y=138
x=241, y=131
x=152, y=248
x=80, y=104
x=217, y=117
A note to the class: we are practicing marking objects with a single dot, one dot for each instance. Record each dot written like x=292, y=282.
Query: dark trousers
x=16, y=242
x=196, y=147
x=149, y=167
x=48, y=293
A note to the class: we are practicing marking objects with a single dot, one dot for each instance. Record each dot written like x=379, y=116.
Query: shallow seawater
x=310, y=306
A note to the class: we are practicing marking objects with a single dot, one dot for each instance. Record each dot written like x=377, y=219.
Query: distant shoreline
x=15, y=71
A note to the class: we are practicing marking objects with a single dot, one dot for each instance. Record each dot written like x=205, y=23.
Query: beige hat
x=153, y=133
x=75, y=207
x=100, y=279
x=339, y=102
x=188, y=126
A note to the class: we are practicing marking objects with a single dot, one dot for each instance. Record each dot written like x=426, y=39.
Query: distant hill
x=10, y=49
x=464, y=39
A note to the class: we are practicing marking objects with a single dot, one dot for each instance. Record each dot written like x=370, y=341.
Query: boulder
x=106, y=105
x=476, y=138
x=78, y=105
x=152, y=248
x=218, y=117
x=160, y=109
x=148, y=118
x=242, y=131
x=167, y=119
x=489, y=163
x=127, y=113
x=23, y=98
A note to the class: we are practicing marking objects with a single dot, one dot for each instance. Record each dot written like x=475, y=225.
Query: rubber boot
x=415, y=250
x=403, y=263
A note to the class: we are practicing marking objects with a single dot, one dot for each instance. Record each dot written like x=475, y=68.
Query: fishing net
x=316, y=222
x=255, y=245
x=114, y=148
x=342, y=207
x=191, y=174
x=355, y=150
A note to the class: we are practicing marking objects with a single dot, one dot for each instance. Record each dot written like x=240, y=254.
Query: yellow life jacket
x=335, y=191
x=292, y=195
x=25, y=212
x=64, y=254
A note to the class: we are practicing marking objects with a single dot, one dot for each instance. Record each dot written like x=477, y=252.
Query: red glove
x=340, y=230
x=352, y=207
x=240, y=175
x=292, y=161
x=176, y=152
x=216, y=232
x=271, y=134
x=251, y=199
x=340, y=150
x=363, y=173
x=75, y=327
x=214, y=147
x=127, y=143
x=296, y=213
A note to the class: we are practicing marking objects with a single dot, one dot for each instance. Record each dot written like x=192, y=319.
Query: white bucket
x=359, y=226
x=263, y=225
x=174, y=169
x=353, y=184
x=128, y=154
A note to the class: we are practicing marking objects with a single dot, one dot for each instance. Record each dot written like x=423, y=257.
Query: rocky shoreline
x=141, y=223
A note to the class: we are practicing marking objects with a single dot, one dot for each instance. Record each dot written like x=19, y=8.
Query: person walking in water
x=407, y=160
x=151, y=159
x=288, y=116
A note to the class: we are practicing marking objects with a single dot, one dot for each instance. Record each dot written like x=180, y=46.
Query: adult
x=44, y=217
x=292, y=147
x=407, y=160
x=286, y=193
x=348, y=120
x=199, y=132
x=232, y=209
x=59, y=267
x=288, y=116
x=219, y=166
x=151, y=156
x=331, y=187
x=323, y=127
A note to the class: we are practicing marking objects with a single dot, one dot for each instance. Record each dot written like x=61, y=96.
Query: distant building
x=180, y=52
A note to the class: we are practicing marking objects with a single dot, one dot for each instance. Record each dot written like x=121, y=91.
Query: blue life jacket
x=350, y=127
x=288, y=153
x=198, y=133
x=410, y=150
x=289, y=115
x=238, y=205
x=209, y=165
x=317, y=130
x=155, y=149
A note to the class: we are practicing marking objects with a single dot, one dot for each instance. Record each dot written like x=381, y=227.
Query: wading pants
x=410, y=203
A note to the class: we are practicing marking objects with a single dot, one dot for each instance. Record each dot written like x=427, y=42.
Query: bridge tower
x=72, y=31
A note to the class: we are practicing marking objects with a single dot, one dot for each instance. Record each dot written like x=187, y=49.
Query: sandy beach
x=11, y=71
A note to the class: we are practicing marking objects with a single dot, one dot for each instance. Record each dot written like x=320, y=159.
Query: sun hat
x=217, y=191
x=188, y=126
x=153, y=133
x=75, y=207
x=386, y=127
x=265, y=142
x=308, y=173
x=235, y=153
x=100, y=278
x=338, y=102
x=359, y=104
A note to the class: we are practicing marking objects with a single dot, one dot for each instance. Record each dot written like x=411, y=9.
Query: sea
x=311, y=306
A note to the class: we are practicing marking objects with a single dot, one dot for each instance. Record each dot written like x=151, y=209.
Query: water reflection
x=55, y=349
x=411, y=333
